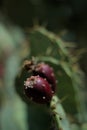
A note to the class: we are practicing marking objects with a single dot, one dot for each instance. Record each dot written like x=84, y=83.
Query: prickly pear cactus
x=69, y=76
x=70, y=110
x=66, y=108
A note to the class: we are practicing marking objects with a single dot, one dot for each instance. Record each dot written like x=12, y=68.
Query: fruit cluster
x=41, y=86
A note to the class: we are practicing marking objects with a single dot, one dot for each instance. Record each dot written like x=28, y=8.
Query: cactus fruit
x=45, y=71
x=38, y=89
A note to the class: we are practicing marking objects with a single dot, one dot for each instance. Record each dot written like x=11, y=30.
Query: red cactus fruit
x=38, y=89
x=45, y=71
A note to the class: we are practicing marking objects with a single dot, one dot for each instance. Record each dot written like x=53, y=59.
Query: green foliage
x=48, y=47
x=61, y=116
x=13, y=114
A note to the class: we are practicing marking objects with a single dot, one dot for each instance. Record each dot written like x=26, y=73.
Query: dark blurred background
x=58, y=15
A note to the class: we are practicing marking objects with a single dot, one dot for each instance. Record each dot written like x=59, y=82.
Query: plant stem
x=60, y=115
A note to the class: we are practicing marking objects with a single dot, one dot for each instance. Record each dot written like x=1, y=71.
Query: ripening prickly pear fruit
x=45, y=71
x=38, y=89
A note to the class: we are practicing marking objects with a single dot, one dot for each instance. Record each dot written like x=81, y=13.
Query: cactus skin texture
x=38, y=89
